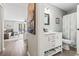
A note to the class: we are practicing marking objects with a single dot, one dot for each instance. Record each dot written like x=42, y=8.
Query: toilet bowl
x=66, y=44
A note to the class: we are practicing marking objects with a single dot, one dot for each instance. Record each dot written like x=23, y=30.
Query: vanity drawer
x=52, y=40
x=58, y=41
x=51, y=45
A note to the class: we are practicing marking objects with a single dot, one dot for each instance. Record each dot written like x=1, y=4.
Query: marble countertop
x=51, y=32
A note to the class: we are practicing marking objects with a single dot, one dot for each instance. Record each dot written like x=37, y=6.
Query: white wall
x=9, y=24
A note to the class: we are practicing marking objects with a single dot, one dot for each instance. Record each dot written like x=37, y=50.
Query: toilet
x=66, y=44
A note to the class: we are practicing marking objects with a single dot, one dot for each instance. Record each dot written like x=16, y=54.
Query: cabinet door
x=45, y=43
x=58, y=40
x=51, y=41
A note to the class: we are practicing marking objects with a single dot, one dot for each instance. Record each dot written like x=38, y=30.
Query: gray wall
x=54, y=13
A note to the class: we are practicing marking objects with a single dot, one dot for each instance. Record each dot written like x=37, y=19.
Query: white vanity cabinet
x=53, y=43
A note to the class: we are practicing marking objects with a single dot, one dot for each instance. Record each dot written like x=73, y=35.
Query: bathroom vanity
x=50, y=34
x=52, y=43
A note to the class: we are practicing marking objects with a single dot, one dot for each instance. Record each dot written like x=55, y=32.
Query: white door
x=78, y=29
x=1, y=29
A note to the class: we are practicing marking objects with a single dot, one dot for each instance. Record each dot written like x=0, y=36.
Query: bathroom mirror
x=46, y=19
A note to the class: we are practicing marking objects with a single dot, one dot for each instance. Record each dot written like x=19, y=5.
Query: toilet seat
x=66, y=41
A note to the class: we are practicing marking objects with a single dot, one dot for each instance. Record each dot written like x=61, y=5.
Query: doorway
x=15, y=27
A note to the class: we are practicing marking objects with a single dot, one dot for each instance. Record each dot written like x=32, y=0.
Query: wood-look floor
x=15, y=48
x=71, y=52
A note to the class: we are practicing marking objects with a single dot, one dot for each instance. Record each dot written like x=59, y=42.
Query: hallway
x=14, y=48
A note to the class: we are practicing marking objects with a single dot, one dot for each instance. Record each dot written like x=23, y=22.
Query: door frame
x=2, y=28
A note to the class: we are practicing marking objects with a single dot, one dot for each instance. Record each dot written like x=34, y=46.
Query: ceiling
x=13, y=11
x=21, y=5
x=66, y=6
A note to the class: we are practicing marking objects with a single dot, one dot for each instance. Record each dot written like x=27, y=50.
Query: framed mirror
x=57, y=20
x=47, y=18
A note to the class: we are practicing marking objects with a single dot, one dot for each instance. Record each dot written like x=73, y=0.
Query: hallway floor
x=15, y=48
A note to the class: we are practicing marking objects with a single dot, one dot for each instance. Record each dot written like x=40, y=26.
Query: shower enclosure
x=69, y=27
